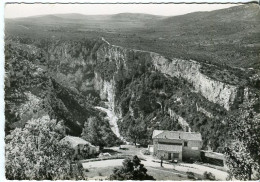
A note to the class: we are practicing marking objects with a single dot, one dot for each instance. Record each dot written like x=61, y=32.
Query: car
x=175, y=161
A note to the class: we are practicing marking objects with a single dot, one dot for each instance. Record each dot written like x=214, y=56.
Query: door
x=169, y=156
x=176, y=155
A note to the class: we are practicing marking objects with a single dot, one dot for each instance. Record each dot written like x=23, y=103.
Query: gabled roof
x=157, y=132
x=74, y=141
x=179, y=135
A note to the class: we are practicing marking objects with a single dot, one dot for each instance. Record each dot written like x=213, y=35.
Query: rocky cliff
x=144, y=89
x=129, y=62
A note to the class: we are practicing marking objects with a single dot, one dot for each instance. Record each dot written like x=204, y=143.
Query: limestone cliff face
x=72, y=64
x=116, y=64
x=100, y=68
x=215, y=91
x=129, y=62
x=106, y=90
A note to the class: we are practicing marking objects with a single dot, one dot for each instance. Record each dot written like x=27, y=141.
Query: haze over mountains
x=221, y=36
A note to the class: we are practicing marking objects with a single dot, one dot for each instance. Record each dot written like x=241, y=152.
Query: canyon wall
x=130, y=62
x=215, y=91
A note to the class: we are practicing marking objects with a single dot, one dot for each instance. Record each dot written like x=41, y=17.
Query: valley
x=115, y=80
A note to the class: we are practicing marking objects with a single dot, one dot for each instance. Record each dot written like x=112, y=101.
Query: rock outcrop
x=130, y=62
x=215, y=91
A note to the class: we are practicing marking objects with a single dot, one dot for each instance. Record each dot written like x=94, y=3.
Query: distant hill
x=228, y=36
x=85, y=19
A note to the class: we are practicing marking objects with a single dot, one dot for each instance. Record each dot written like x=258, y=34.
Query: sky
x=25, y=10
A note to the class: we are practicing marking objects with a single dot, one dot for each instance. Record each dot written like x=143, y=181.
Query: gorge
x=136, y=85
x=155, y=75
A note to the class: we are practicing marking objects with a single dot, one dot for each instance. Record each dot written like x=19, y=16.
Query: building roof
x=74, y=141
x=170, y=148
x=157, y=132
x=181, y=135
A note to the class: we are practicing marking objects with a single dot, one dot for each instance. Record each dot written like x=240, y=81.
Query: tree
x=92, y=132
x=131, y=170
x=98, y=132
x=243, y=154
x=36, y=153
x=137, y=131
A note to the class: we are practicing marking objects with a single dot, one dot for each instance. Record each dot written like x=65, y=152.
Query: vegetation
x=190, y=175
x=52, y=71
x=219, y=37
x=98, y=132
x=209, y=175
x=35, y=152
x=243, y=151
x=132, y=169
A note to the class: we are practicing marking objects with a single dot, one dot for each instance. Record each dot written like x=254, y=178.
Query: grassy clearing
x=164, y=174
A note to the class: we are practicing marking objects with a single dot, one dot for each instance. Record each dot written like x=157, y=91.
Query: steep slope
x=140, y=84
x=145, y=90
x=68, y=79
x=31, y=91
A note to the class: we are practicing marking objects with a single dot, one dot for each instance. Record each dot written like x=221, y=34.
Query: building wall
x=80, y=153
x=192, y=150
x=164, y=155
x=150, y=149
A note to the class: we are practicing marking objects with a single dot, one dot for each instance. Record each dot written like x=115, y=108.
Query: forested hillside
x=190, y=72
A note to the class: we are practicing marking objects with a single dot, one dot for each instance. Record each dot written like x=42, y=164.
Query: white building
x=83, y=149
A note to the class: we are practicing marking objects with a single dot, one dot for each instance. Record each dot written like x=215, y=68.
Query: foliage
x=32, y=89
x=190, y=175
x=98, y=132
x=35, y=152
x=209, y=175
x=137, y=131
x=132, y=169
x=244, y=151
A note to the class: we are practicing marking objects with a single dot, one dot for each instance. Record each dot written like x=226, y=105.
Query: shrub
x=190, y=175
x=132, y=169
x=209, y=175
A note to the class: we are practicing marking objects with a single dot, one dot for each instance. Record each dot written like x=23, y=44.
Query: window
x=185, y=144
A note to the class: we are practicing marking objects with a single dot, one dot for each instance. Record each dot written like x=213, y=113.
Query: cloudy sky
x=24, y=10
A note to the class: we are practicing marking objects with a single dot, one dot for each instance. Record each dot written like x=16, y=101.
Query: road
x=151, y=163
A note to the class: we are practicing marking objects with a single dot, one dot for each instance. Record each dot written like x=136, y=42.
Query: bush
x=209, y=175
x=132, y=169
x=190, y=175
x=146, y=152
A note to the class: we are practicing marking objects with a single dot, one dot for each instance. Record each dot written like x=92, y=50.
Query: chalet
x=179, y=145
x=83, y=149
